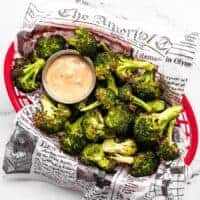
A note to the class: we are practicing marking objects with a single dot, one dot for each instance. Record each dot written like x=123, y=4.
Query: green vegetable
x=125, y=147
x=74, y=140
x=46, y=46
x=103, y=64
x=126, y=67
x=93, y=125
x=93, y=154
x=105, y=97
x=52, y=117
x=168, y=150
x=84, y=42
x=25, y=75
x=118, y=119
x=150, y=127
x=144, y=164
x=125, y=94
x=103, y=47
x=121, y=158
x=20, y=62
x=157, y=105
x=146, y=87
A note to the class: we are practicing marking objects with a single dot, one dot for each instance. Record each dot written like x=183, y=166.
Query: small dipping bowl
x=68, y=77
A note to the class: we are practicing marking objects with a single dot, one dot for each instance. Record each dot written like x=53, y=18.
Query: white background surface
x=170, y=14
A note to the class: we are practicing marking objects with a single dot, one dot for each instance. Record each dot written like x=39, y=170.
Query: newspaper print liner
x=30, y=151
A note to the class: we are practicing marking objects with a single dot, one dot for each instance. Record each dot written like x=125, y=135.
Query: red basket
x=187, y=119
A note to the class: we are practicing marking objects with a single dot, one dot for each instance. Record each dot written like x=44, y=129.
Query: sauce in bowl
x=69, y=78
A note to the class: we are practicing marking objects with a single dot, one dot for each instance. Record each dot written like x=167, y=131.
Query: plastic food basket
x=186, y=120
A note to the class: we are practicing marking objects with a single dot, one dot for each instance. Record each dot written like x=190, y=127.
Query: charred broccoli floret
x=118, y=119
x=125, y=94
x=93, y=125
x=94, y=154
x=150, y=127
x=126, y=67
x=84, y=42
x=52, y=117
x=125, y=147
x=20, y=62
x=74, y=140
x=168, y=149
x=103, y=64
x=157, y=105
x=105, y=97
x=25, y=76
x=46, y=46
x=144, y=164
x=146, y=87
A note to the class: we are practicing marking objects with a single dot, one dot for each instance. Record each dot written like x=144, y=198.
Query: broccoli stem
x=47, y=105
x=169, y=114
x=122, y=159
x=157, y=105
x=170, y=131
x=77, y=123
x=111, y=84
x=135, y=100
x=31, y=71
x=135, y=64
x=149, y=76
x=72, y=41
x=146, y=77
x=103, y=46
x=91, y=106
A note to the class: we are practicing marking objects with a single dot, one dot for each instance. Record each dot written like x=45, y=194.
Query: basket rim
x=8, y=78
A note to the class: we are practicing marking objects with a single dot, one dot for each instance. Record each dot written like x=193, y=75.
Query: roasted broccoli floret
x=103, y=64
x=157, y=105
x=94, y=154
x=168, y=149
x=52, y=117
x=46, y=46
x=146, y=87
x=93, y=125
x=144, y=164
x=125, y=147
x=20, y=62
x=25, y=76
x=118, y=119
x=89, y=107
x=84, y=42
x=126, y=67
x=125, y=94
x=105, y=97
x=149, y=128
x=74, y=140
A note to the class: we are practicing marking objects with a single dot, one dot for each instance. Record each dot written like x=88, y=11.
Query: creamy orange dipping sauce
x=69, y=78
